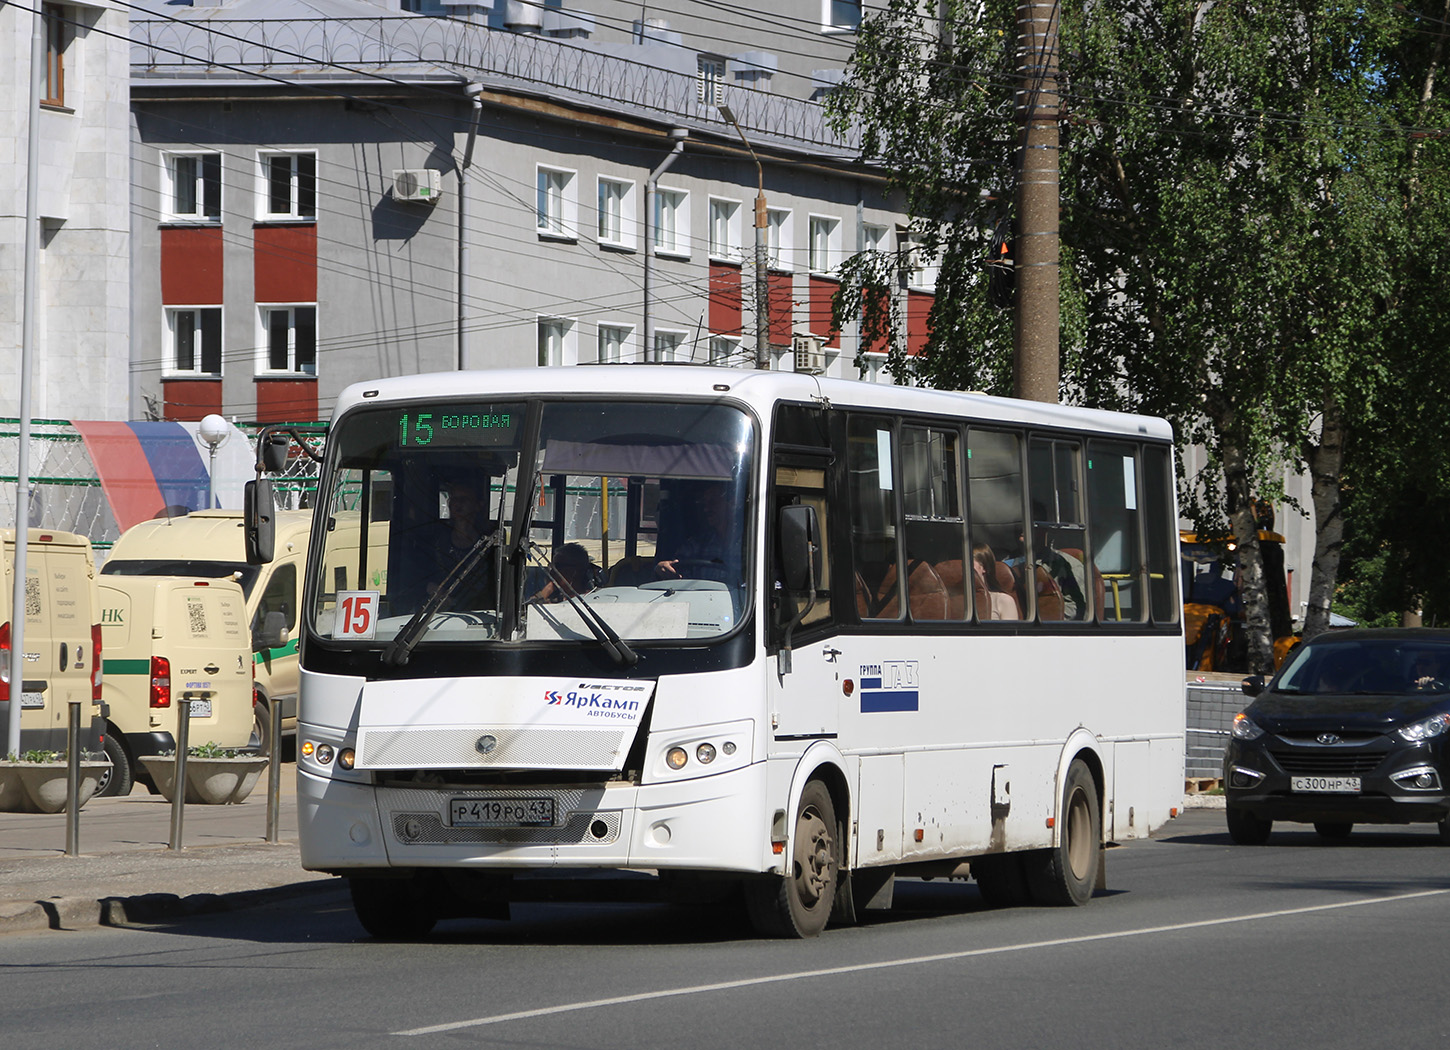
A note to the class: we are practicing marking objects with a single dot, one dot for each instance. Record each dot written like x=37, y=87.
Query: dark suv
x=1355, y=728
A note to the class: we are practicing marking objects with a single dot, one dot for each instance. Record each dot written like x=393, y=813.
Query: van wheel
x=799, y=904
x=119, y=777
x=261, y=738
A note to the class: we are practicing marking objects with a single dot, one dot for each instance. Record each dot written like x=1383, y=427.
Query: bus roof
x=758, y=389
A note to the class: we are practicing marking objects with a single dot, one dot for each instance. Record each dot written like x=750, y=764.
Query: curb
x=147, y=909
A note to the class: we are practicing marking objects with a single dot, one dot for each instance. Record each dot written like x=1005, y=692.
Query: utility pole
x=762, y=220
x=1035, y=369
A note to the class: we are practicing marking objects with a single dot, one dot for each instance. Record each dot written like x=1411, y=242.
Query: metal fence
x=1212, y=705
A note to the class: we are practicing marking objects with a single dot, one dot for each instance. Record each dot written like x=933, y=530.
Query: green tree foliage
x=1241, y=184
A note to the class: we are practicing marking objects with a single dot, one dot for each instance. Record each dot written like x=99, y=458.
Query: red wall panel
x=781, y=292
x=918, y=310
x=822, y=291
x=285, y=263
x=191, y=265
x=286, y=400
x=725, y=299
x=188, y=400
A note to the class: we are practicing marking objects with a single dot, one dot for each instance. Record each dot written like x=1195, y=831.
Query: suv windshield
x=1394, y=666
x=458, y=525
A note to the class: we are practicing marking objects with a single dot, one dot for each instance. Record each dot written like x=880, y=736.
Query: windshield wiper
x=396, y=652
x=607, y=636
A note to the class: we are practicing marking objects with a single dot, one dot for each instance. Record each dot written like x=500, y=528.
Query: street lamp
x=762, y=288
x=214, y=431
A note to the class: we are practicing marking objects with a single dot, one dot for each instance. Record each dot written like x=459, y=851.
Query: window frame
x=733, y=248
x=823, y=255
x=264, y=341
x=628, y=235
x=298, y=190
x=201, y=181
x=679, y=244
x=724, y=349
x=678, y=335
x=627, y=350
x=565, y=351
x=565, y=225
x=171, y=367
x=59, y=33
x=710, y=79
x=779, y=240
x=829, y=21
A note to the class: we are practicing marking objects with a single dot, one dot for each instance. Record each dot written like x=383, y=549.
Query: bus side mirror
x=258, y=527
x=273, y=632
x=800, y=548
x=1253, y=685
x=273, y=453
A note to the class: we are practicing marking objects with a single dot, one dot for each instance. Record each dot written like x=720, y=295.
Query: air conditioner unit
x=417, y=184
x=810, y=357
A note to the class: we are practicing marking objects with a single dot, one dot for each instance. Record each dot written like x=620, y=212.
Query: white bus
x=763, y=630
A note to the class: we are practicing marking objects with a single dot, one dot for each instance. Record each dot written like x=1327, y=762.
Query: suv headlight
x=1245, y=729
x=1425, y=728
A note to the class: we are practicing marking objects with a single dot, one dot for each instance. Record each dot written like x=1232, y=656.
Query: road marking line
x=920, y=960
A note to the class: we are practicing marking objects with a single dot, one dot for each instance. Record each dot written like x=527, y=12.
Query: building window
x=616, y=344
x=668, y=345
x=778, y=238
x=873, y=237
x=558, y=204
x=921, y=265
x=710, y=83
x=616, y=213
x=843, y=15
x=289, y=185
x=825, y=248
x=557, y=345
x=58, y=35
x=724, y=350
x=194, y=187
x=194, y=341
x=725, y=230
x=672, y=222
x=289, y=338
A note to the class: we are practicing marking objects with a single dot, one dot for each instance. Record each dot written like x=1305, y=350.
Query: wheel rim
x=814, y=851
x=1079, y=832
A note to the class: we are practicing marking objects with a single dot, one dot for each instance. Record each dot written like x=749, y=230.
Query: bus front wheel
x=391, y=909
x=799, y=903
x=1067, y=873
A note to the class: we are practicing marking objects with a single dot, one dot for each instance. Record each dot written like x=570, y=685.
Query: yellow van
x=209, y=543
x=167, y=638
x=61, y=640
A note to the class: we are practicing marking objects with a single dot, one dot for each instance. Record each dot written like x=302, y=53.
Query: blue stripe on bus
x=888, y=700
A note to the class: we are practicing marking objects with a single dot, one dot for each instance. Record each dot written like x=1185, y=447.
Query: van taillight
x=96, y=663
x=160, y=682
x=4, y=662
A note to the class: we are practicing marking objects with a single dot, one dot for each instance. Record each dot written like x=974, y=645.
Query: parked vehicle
x=61, y=639
x=1213, y=613
x=1355, y=728
x=167, y=638
x=209, y=544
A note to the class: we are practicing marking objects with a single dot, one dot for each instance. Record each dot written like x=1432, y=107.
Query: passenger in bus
x=710, y=548
x=1000, y=605
x=455, y=537
x=579, y=573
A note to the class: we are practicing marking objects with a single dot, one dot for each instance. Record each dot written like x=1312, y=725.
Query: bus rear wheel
x=799, y=903
x=1067, y=873
x=391, y=909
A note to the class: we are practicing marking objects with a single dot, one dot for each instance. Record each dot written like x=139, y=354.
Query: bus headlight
x=676, y=757
x=705, y=753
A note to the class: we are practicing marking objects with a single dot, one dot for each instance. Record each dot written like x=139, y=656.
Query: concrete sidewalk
x=126, y=873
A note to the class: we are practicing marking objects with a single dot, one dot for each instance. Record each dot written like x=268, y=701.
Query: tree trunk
x=1258, y=635
x=1326, y=460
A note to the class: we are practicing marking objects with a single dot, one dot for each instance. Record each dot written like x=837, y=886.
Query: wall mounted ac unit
x=810, y=357
x=417, y=184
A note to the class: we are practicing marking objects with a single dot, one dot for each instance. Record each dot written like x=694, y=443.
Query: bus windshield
x=556, y=521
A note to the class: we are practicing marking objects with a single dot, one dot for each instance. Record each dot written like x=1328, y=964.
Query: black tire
x=1245, y=828
x=121, y=776
x=799, y=904
x=392, y=909
x=1066, y=874
x=261, y=738
x=1002, y=880
x=1336, y=830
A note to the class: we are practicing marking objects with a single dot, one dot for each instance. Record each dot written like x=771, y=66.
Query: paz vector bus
x=766, y=633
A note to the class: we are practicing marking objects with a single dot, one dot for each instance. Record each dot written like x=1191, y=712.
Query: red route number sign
x=357, y=615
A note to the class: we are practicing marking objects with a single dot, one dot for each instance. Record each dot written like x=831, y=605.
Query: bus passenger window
x=998, y=519
x=873, y=517
x=1161, y=535
x=1060, y=572
x=1113, y=507
x=934, y=525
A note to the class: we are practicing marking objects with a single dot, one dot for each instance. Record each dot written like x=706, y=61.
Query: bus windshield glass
x=562, y=522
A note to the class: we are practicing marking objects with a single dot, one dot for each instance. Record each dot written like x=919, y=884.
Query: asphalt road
x=1196, y=944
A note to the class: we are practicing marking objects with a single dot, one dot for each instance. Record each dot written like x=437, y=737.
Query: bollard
x=274, y=773
x=73, y=782
x=178, y=784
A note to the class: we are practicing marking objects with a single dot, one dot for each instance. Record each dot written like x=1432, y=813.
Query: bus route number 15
x=356, y=617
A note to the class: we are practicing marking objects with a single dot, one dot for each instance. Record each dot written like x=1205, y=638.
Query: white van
x=167, y=638
x=208, y=543
x=61, y=640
